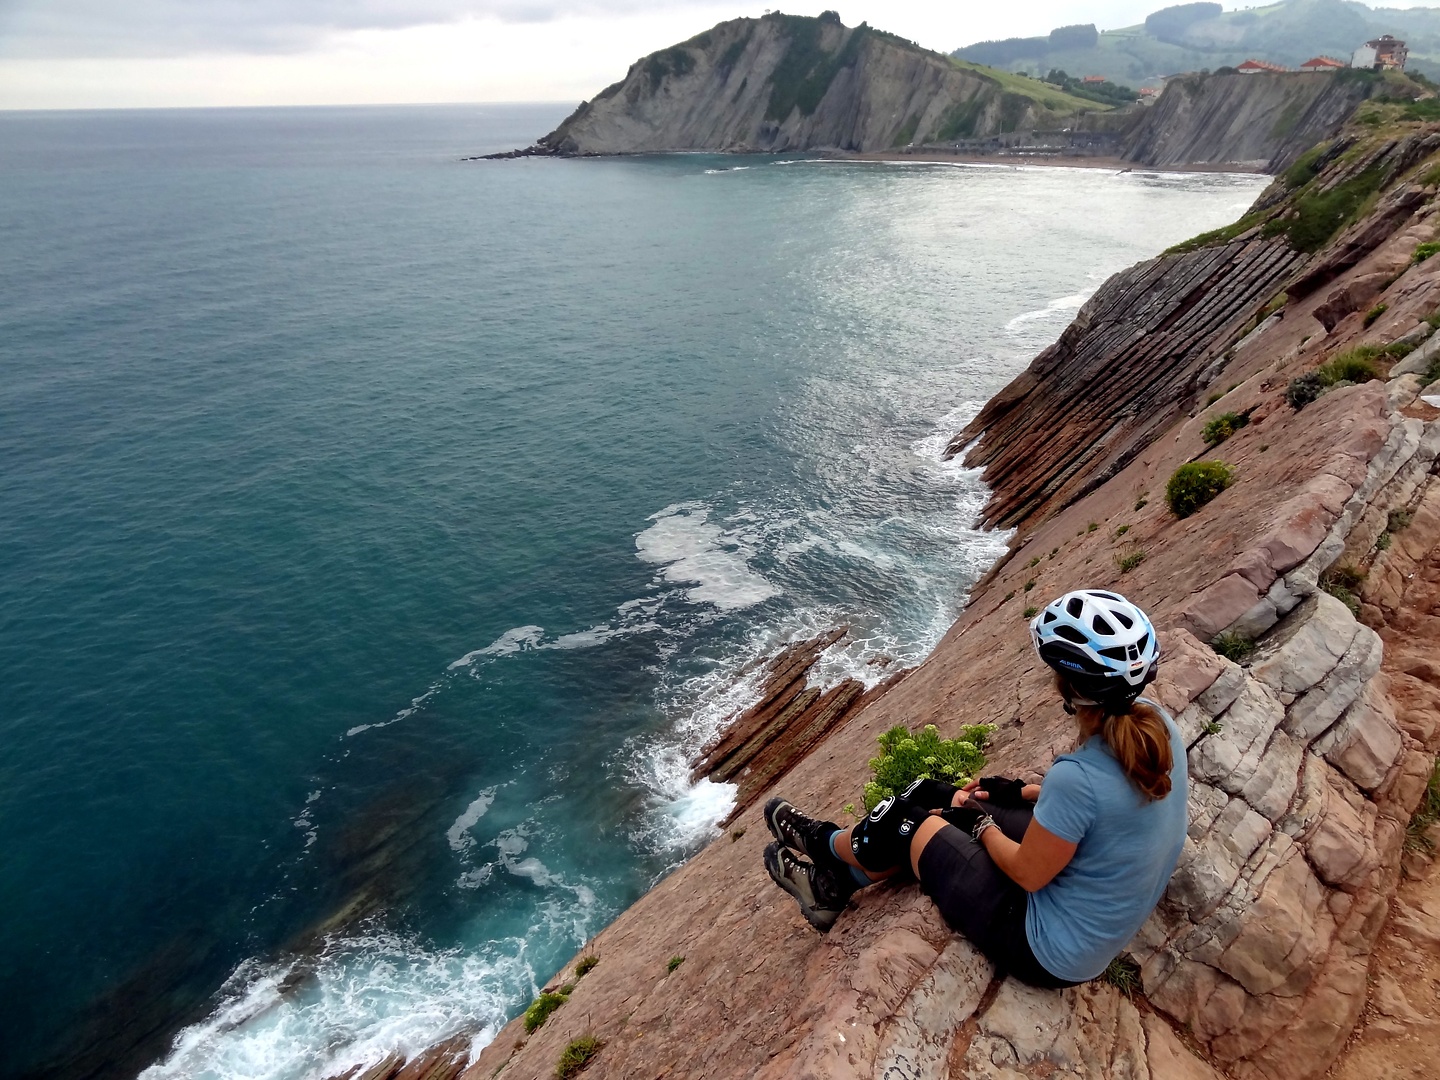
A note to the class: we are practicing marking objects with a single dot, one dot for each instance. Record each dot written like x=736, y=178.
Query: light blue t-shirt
x=1128, y=848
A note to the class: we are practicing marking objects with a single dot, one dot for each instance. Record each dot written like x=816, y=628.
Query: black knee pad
x=882, y=841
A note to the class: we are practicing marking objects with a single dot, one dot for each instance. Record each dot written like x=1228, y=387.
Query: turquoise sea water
x=380, y=534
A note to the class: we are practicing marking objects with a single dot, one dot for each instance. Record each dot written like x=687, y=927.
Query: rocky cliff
x=786, y=82
x=1263, y=121
x=1309, y=745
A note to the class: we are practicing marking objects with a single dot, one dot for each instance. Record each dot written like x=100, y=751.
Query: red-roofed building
x=1323, y=63
x=1255, y=67
x=1094, y=78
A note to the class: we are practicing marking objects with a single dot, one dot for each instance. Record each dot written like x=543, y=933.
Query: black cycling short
x=980, y=900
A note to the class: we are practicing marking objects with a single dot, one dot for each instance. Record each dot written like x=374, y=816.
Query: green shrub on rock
x=576, y=1056
x=1304, y=389
x=541, y=1008
x=905, y=758
x=1195, y=483
x=1220, y=428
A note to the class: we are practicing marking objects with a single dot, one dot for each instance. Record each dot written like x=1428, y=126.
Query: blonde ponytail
x=1140, y=742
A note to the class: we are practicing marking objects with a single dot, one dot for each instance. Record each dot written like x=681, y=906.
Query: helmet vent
x=1101, y=626
x=1123, y=619
x=1075, y=607
x=1069, y=633
x=1116, y=653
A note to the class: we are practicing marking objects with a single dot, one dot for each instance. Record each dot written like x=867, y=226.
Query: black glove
x=931, y=794
x=964, y=817
x=1002, y=792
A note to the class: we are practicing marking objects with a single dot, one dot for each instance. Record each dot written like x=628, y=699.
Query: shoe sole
x=775, y=867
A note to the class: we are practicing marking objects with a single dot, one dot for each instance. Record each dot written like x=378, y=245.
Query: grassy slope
x=1049, y=97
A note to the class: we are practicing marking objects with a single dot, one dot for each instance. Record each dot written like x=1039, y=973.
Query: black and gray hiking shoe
x=820, y=892
x=801, y=832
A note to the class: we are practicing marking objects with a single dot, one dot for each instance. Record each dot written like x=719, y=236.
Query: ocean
x=382, y=533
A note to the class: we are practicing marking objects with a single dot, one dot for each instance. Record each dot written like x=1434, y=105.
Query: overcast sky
x=125, y=53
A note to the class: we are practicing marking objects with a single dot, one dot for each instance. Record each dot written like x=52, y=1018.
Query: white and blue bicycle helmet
x=1103, y=644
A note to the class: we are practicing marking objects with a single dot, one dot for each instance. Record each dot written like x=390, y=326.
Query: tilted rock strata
x=783, y=83
x=1265, y=121
x=1307, y=759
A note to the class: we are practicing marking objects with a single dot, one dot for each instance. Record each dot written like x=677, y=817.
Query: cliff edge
x=1310, y=744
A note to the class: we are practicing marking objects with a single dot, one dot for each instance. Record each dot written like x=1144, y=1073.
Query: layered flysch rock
x=1262, y=121
x=1307, y=756
x=785, y=82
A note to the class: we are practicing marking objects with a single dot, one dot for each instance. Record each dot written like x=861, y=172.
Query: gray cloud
x=156, y=28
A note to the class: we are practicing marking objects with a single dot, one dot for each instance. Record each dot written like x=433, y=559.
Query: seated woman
x=1051, y=880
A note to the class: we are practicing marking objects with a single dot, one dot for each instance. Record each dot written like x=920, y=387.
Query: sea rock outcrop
x=1308, y=750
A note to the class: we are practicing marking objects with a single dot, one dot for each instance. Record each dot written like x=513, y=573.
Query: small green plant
x=1123, y=973
x=1276, y=303
x=1214, y=398
x=585, y=966
x=1092, y=526
x=1375, y=313
x=1233, y=646
x=906, y=757
x=1417, y=832
x=1142, y=501
x=1344, y=583
x=1354, y=366
x=1383, y=541
x=1214, y=727
x=1035, y=562
x=1304, y=389
x=1397, y=520
x=1029, y=584
x=1054, y=551
x=1031, y=611
x=1195, y=483
x=736, y=834
x=1221, y=427
x=576, y=1056
x=1008, y=597
x=674, y=962
x=1121, y=530
x=1424, y=251
x=1127, y=562
x=849, y=808
x=541, y=1008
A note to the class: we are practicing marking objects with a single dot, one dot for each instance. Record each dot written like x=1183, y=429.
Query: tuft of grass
x=1123, y=973
x=1357, y=365
x=1035, y=562
x=1121, y=530
x=906, y=757
x=1375, y=313
x=1031, y=611
x=1316, y=216
x=674, y=962
x=1092, y=526
x=587, y=963
x=736, y=834
x=1196, y=483
x=1424, y=251
x=1142, y=501
x=1234, y=647
x=1214, y=398
x=1417, y=837
x=1344, y=583
x=1127, y=562
x=1397, y=520
x=576, y=1056
x=1214, y=727
x=541, y=1008
x=1029, y=584
x=1008, y=596
x=1276, y=303
x=1220, y=428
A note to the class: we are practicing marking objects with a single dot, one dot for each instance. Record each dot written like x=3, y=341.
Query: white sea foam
x=458, y=835
x=1063, y=306
x=692, y=551
x=515, y=640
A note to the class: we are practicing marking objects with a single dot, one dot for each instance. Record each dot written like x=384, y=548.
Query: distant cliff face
x=786, y=82
x=1262, y=121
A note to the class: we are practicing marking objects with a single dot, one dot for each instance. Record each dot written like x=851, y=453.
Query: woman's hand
x=1012, y=792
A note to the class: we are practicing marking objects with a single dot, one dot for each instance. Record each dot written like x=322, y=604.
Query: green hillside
x=1200, y=36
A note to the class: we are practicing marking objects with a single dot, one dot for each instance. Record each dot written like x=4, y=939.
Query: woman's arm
x=1033, y=863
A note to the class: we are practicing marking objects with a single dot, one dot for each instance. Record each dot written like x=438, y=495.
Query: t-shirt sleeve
x=1066, y=806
